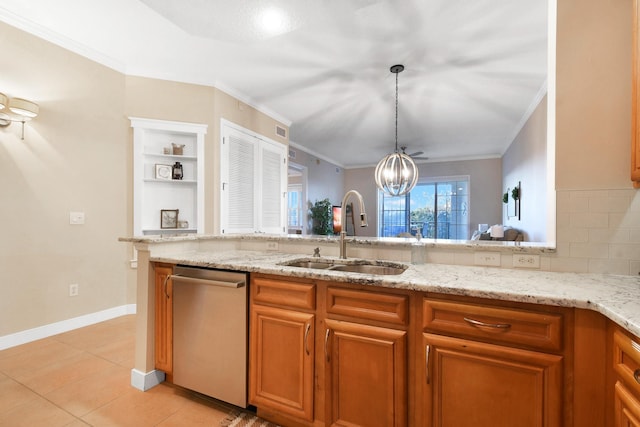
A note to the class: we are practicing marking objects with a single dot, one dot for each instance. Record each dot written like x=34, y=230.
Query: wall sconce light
x=22, y=108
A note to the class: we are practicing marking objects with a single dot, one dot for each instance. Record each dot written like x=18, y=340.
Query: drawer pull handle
x=478, y=323
x=166, y=280
x=306, y=338
x=427, y=352
x=326, y=341
x=636, y=375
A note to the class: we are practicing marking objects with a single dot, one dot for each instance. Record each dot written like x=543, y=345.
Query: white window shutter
x=241, y=184
x=253, y=174
x=272, y=192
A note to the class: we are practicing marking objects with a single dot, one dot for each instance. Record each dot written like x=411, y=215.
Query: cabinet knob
x=636, y=375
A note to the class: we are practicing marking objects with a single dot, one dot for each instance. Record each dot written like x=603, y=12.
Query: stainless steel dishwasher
x=210, y=332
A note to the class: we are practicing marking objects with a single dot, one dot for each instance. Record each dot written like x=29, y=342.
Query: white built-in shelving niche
x=151, y=194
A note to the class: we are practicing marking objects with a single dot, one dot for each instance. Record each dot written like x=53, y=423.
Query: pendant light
x=397, y=173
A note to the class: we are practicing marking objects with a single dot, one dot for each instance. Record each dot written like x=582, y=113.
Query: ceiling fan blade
x=414, y=156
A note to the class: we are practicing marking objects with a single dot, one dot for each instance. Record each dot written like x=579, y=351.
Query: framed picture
x=169, y=218
x=163, y=172
x=513, y=206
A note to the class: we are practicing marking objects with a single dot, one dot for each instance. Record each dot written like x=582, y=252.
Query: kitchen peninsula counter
x=616, y=297
x=578, y=316
x=449, y=271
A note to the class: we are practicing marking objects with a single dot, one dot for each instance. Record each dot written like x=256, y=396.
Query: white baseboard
x=144, y=381
x=23, y=337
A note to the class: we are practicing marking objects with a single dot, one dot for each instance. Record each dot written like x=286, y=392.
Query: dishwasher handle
x=221, y=283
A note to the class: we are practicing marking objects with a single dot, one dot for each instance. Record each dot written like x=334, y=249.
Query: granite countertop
x=459, y=245
x=616, y=297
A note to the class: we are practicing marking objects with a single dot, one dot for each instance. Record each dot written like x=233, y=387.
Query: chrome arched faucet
x=343, y=220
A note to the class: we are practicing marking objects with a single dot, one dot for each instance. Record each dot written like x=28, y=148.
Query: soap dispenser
x=418, y=251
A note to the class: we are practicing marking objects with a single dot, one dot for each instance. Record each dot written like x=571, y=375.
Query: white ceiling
x=474, y=69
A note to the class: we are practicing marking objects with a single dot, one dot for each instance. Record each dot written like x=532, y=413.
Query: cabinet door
x=366, y=375
x=281, y=374
x=627, y=407
x=238, y=178
x=164, y=319
x=472, y=384
x=273, y=188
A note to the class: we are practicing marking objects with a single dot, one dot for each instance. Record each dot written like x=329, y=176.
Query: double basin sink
x=350, y=266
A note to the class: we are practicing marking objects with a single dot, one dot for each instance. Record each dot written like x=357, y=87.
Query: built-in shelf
x=171, y=181
x=154, y=143
x=171, y=156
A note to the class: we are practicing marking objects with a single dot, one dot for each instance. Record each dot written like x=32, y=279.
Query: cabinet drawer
x=626, y=359
x=383, y=307
x=496, y=324
x=279, y=292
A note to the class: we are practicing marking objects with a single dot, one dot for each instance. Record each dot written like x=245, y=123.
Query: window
x=294, y=207
x=437, y=209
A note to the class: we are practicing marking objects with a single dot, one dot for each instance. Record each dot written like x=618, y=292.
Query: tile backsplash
x=598, y=231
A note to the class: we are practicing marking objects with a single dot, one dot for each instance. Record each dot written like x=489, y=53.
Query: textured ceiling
x=474, y=70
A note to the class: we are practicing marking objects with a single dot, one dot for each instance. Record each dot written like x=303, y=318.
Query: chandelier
x=397, y=173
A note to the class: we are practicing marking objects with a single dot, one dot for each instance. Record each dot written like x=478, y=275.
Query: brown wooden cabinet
x=626, y=367
x=335, y=354
x=483, y=366
x=626, y=407
x=282, y=346
x=366, y=375
x=470, y=383
x=164, y=319
x=635, y=98
x=365, y=357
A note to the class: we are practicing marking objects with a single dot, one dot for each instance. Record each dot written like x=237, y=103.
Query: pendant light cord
x=396, y=112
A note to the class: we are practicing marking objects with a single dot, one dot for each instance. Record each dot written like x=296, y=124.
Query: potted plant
x=515, y=193
x=321, y=217
x=505, y=198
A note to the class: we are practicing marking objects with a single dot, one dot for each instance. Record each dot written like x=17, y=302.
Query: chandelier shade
x=396, y=174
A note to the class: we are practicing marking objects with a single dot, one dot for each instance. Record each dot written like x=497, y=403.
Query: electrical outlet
x=272, y=246
x=526, y=261
x=487, y=258
x=73, y=290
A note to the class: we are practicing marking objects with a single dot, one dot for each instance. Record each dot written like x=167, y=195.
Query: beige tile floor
x=82, y=378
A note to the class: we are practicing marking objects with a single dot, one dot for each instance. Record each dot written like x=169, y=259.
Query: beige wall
x=77, y=156
x=593, y=107
x=598, y=211
x=324, y=178
x=74, y=158
x=525, y=162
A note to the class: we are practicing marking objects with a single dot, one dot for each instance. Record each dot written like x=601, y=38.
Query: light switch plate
x=487, y=258
x=76, y=218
